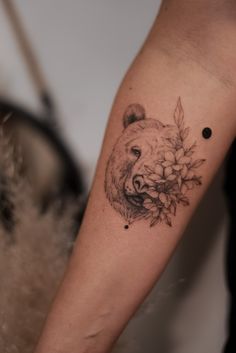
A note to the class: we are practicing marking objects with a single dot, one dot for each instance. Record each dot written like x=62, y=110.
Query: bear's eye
x=136, y=151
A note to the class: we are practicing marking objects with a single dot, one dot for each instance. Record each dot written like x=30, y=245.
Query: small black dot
x=206, y=133
x=126, y=226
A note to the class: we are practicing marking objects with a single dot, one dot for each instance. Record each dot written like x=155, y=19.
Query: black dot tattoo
x=206, y=133
x=126, y=226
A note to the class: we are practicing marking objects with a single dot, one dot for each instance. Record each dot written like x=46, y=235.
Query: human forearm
x=113, y=268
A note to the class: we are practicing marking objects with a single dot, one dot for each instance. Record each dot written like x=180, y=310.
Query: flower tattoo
x=152, y=167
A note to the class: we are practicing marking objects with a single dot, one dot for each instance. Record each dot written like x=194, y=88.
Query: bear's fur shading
x=150, y=136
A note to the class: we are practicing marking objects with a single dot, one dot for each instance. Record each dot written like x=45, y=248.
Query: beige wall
x=85, y=47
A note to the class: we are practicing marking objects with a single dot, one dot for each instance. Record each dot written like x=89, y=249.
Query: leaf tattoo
x=179, y=114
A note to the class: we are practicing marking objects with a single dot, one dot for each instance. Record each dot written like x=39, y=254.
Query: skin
x=190, y=52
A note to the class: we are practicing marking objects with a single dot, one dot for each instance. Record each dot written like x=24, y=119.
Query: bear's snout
x=139, y=184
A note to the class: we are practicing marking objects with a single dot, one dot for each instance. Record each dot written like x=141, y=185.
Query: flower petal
x=164, y=199
x=179, y=154
x=156, y=213
x=184, y=160
x=165, y=210
x=161, y=181
x=153, y=193
x=177, y=167
x=171, y=177
x=154, y=177
x=149, y=182
x=167, y=164
x=184, y=172
x=149, y=205
x=179, y=181
x=159, y=170
x=173, y=208
x=167, y=171
x=169, y=156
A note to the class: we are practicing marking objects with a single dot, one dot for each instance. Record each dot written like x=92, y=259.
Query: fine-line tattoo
x=151, y=168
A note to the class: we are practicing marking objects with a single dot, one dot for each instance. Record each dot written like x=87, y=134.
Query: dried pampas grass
x=34, y=251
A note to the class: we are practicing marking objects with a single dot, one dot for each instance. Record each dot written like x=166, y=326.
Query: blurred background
x=85, y=48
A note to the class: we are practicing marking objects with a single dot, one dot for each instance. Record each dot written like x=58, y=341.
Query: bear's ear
x=133, y=113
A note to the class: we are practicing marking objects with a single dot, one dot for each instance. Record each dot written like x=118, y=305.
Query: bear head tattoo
x=150, y=170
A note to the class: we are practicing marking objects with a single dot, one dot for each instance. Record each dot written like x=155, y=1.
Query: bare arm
x=171, y=125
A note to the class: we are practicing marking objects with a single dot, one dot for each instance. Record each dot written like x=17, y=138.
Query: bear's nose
x=139, y=183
